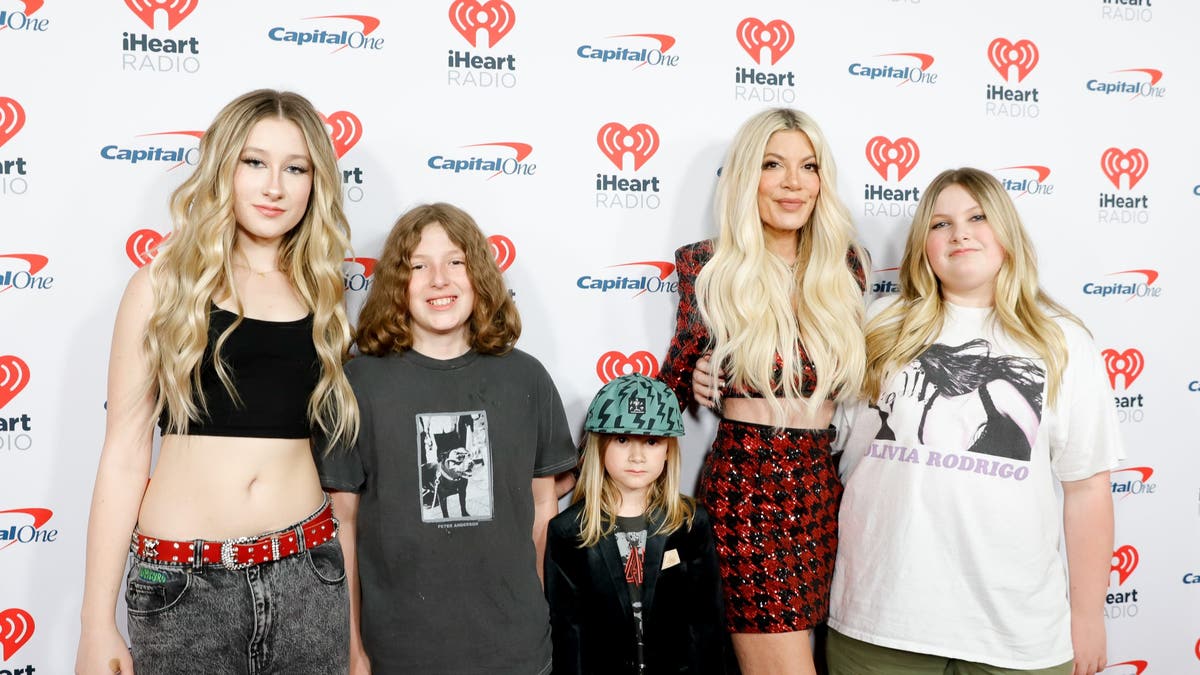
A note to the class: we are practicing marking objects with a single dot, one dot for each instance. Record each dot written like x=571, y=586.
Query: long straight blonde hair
x=602, y=498
x=1024, y=311
x=195, y=266
x=755, y=306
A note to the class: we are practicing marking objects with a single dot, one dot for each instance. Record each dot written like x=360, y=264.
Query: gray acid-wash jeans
x=288, y=616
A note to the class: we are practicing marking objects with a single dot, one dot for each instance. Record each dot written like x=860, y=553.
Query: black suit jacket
x=591, y=616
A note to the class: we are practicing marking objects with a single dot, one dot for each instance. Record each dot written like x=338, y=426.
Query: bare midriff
x=210, y=487
x=798, y=415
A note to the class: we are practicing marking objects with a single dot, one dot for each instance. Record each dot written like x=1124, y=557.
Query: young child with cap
x=631, y=567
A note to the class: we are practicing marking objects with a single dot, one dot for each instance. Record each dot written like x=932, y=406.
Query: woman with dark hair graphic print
x=1008, y=388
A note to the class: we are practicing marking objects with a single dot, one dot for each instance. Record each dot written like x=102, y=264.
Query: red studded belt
x=243, y=552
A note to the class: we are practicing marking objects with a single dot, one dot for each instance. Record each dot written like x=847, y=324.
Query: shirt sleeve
x=691, y=335
x=1088, y=438
x=556, y=451
x=341, y=469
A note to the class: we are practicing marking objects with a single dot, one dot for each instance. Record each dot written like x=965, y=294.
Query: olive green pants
x=847, y=656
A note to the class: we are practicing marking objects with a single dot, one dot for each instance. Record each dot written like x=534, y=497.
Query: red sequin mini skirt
x=773, y=497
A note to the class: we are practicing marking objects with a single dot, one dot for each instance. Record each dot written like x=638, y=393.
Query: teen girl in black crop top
x=233, y=338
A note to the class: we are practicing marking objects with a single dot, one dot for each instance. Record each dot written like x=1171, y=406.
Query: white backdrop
x=607, y=121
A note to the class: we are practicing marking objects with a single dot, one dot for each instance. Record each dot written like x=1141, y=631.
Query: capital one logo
x=1124, y=562
x=640, y=140
x=367, y=265
x=176, y=10
x=903, y=153
x=1128, y=364
x=1004, y=55
x=20, y=279
x=1138, y=667
x=14, y=375
x=26, y=533
x=142, y=246
x=345, y=129
x=16, y=627
x=12, y=118
x=777, y=36
x=1132, y=164
x=614, y=364
x=495, y=17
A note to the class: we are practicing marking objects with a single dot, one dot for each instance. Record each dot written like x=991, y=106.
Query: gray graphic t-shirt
x=444, y=466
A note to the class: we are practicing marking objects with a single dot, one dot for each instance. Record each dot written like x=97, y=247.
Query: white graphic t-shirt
x=950, y=523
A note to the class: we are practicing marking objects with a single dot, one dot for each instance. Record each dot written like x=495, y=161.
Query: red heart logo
x=1023, y=55
x=777, y=36
x=1124, y=562
x=1133, y=164
x=16, y=627
x=495, y=16
x=903, y=152
x=14, y=375
x=177, y=10
x=344, y=130
x=142, y=246
x=614, y=364
x=12, y=118
x=1128, y=363
x=503, y=251
x=615, y=140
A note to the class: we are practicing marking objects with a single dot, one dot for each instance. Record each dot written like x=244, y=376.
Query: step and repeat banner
x=585, y=138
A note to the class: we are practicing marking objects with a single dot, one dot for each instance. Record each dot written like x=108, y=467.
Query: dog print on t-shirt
x=454, y=458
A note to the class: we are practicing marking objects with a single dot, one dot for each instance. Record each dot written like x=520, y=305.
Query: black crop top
x=274, y=368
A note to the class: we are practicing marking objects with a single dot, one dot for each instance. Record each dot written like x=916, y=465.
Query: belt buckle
x=227, y=554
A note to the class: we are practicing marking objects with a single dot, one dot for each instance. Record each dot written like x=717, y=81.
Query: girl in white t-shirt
x=981, y=393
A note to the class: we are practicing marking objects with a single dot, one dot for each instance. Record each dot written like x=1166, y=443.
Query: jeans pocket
x=152, y=589
x=327, y=563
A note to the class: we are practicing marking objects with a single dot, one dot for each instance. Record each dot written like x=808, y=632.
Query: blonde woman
x=777, y=300
x=981, y=394
x=233, y=341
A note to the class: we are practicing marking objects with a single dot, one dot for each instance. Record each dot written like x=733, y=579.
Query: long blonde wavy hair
x=1024, y=311
x=757, y=307
x=195, y=266
x=602, y=498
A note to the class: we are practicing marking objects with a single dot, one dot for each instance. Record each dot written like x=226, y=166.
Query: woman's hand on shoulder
x=703, y=389
x=102, y=653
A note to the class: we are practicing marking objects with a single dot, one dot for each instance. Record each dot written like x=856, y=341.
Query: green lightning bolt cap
x=635, y=404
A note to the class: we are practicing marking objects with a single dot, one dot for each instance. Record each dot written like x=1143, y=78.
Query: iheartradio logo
x=12, y=118
x=1004, y=54
x=16, y=627
x=176, y=10
x=495, y=17
x=903, y=153
x=640, y=140
x=503, y=251
x=777, y=36
x=142, y=246
x=14, y=376
x=345, y=129
x=614, y=364
x=1132, y=164
x=1124, y=562
x=1128, y=364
